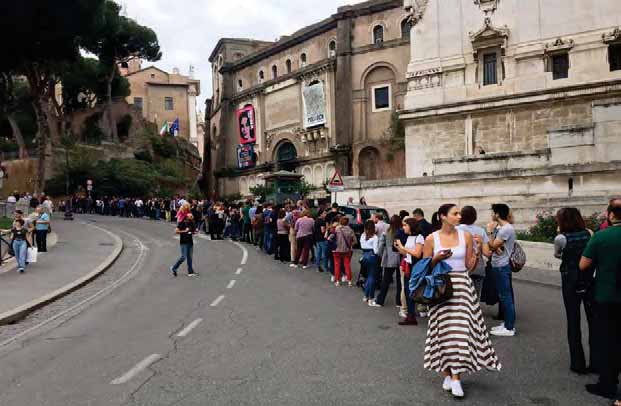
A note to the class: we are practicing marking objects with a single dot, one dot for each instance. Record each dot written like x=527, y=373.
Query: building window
x=124, y=65
x=378, y=35
x=560, y=66
x=288, y=65
x=332, y=49
x=138, y=103
x=303, y=60
x=261, y=76
x=406, y=28
x=153, y=76
x=381, y=98
x=490, y=69
x=240, y=85
x=274, y=72
x=168, y=103
x=614, y=57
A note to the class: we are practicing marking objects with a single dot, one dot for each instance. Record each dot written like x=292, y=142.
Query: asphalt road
x=273, y=337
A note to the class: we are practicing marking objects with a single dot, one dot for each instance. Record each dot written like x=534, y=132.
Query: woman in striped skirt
x=457, y=339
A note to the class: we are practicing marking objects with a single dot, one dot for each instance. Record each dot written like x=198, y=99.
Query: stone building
x=163, y=96
x=317, y=100
x=514, y=101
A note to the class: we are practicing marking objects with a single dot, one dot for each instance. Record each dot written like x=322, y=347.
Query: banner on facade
x=245, y=156
x=247, y=125
x=314, y=105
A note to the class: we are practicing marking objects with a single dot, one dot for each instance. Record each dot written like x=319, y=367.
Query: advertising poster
x=247, y=125
x=245, y=156
x=314, y=105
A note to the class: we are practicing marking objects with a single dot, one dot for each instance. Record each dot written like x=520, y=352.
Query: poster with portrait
x=245, y=156
x=314, y=105
x=247, y=125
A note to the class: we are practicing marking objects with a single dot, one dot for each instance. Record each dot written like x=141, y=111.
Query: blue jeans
x=321, y=254
x=502, y=278
x=21, y=248
x=186, y=255
x=370, y=261
x=267, y=241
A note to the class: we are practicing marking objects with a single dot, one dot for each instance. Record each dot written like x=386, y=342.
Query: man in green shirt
x=246, y=222
x=603, y=252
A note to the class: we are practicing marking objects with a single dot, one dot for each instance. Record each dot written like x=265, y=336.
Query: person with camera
x=412, y=251
x=568, y=247
x=603, y=253
x=457, y=339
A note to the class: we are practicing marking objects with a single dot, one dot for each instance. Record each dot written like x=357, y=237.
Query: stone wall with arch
x=317, y=173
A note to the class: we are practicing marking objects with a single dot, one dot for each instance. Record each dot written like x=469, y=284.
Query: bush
x=544, y=229
x=164, y=147
x=143, y=156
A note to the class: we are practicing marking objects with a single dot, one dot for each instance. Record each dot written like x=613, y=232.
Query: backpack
x=517, y=260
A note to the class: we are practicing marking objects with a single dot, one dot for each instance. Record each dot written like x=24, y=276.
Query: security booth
x=282, y=186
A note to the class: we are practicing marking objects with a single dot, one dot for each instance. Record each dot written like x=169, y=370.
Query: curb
x=11, y=264
x=22, y=311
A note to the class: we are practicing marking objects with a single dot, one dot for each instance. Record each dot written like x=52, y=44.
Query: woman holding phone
x=413, y=251
x=457, y=339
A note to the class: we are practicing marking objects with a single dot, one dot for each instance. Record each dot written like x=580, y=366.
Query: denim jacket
x=421, y=273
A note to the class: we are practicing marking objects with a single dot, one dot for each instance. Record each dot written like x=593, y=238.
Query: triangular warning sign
x=336, y=179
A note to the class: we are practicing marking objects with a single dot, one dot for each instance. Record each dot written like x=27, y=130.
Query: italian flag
x=164, y=129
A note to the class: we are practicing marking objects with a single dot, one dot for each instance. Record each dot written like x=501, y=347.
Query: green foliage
x=6, y=223
x=594, y=221
x=230, y=198
x=7, y=145
x=195, y=193
x=92, y=133
x=396, y=132
x=143, y=156
x=165, y=146
x=123, y=127
x=261, y=190
x=306, y=188
x=544, y=230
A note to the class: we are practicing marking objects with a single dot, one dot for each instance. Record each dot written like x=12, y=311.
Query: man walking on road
x=185, y=229
x=603, y=252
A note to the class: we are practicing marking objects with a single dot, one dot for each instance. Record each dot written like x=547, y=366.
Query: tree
x=44, y=36
x=13, y=95
x=119, y=39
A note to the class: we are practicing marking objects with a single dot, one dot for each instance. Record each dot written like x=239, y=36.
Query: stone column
x=192, y=113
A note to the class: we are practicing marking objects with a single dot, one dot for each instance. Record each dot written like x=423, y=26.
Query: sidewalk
x=81, y=253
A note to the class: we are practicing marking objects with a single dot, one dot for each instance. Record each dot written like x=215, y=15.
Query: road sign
x=336, y=184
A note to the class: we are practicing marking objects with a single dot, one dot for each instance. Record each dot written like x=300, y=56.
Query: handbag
x=31, y=255
x=442, y=292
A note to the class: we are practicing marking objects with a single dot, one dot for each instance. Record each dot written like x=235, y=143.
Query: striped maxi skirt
x=457, y=339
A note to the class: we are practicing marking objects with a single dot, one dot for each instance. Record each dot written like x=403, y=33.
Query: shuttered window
x=490, y=69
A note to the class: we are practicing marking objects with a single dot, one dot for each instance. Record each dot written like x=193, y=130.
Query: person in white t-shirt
x=413, y=251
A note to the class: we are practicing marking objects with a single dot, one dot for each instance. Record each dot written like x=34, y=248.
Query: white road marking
x=126, y=276
x=217, y=301
x=239, y=271
x=141, y=366
x=231, y=284
x=245, y=251
x=189, y=328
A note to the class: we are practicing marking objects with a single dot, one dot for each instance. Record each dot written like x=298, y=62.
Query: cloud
x=188, y=30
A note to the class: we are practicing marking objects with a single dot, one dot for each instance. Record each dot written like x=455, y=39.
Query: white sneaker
x=446, y=385
x=456, y=389
x=343, y=279
x=372, y=303
x=503, y=332
x=304, y=266
x=422, y=314
x=501, y=325
x=402, y=314
x=365, y=299
x=332, y=279
x=293, y=266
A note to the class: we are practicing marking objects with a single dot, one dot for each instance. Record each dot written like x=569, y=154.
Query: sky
x=188, y=30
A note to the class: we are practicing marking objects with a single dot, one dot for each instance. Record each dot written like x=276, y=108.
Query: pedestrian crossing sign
x=336, y=183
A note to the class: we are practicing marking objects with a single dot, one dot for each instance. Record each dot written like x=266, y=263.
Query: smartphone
x=447, y=252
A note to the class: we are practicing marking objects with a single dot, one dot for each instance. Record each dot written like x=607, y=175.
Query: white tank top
x=457, y=261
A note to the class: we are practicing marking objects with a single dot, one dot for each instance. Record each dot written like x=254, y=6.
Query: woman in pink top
x=304, y=238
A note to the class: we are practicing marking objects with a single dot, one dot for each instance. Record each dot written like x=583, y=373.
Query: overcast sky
x=188, y=30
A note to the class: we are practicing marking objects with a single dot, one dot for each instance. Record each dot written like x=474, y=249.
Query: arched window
x=332, y=49
x=303, y=60
x=288, y=65
x=406, y=28
x=274, y=72
x=261, y=76
x=378, y=35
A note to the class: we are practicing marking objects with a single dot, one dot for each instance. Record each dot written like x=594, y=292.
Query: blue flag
x=174, y=128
